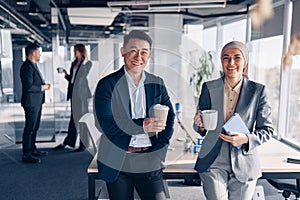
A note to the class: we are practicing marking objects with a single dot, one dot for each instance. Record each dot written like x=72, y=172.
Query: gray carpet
x=61, y=176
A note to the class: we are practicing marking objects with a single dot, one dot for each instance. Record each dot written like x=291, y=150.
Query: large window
x=264, y=67
x=293, y=119
x=210, y=39
x=234, y=31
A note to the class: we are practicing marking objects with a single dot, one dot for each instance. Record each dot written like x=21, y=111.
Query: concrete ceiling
x=88, y=20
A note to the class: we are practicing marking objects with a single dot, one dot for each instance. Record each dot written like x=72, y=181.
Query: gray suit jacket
x=254, y=109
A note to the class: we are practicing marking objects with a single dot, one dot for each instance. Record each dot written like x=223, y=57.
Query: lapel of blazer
x=216, y=92
x=149, y=92
x=79, y=67
x=37, y=70
x=72, y=69
x=210, y=150
x=123, y=91
x=244, y=98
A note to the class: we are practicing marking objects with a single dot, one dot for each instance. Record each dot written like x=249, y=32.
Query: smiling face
x=136, y=55
x=233, y=63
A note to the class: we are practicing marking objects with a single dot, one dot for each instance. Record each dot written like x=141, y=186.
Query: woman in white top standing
x=78, y=93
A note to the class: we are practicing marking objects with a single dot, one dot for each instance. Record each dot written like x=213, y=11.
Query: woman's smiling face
x=233, y=63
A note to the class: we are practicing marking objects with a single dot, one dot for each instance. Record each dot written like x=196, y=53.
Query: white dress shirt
x=138, y=109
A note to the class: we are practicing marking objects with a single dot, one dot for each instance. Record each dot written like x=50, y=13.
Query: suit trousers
x=149, y=186
x=72, y=132
x=219, y=184
x=32, y=123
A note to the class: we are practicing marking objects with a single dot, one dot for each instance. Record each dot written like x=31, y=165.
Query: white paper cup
x=161, y=112
x=210, y=119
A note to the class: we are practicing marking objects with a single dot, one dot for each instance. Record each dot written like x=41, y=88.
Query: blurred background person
x=78, y=93
x=33, y=96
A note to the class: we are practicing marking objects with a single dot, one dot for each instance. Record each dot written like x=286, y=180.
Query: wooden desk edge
x=169, y=173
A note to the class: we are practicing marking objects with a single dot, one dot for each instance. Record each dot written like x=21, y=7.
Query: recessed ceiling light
x=44, y=25
x=22, y=2
x=32, y=14
x=122, y=24
x=106, y=32
x=32, y=9
x=111, y=28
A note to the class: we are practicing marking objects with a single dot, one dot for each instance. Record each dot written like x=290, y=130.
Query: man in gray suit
x=228, y=172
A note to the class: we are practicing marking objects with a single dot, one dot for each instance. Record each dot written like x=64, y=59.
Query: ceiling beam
x=197, y=15
x=41, y=38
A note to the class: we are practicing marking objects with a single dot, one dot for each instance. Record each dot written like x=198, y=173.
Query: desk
x=273, y=155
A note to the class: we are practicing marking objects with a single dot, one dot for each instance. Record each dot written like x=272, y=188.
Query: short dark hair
x=137, y=34
x=31, y=48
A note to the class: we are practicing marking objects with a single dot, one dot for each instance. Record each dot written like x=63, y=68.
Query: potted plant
x=202, y=73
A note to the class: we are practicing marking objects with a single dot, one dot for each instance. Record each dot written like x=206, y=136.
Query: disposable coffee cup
x=60, y=70
x=210, y=119
x=161, y=112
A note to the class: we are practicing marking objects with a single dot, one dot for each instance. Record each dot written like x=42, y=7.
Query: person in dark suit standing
x=133, y=144
x=228, y=172
x=78, y=93
x=33, y=96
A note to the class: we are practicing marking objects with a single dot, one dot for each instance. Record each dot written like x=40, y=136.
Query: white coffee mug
x=210, y=119
x=60, y=70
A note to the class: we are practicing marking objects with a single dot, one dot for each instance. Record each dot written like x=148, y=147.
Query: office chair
x=287, y=185
x=94, y=133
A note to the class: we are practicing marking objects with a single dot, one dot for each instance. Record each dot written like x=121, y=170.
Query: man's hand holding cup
x=157, y=121
x=154, y=125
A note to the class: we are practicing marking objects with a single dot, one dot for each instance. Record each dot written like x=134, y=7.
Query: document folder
x=236, y=124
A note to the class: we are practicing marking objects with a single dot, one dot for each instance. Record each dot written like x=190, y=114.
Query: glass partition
x=293, y=119
x=265, y=63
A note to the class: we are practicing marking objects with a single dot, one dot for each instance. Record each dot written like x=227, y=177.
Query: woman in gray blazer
x=79, y=93
x=228, y=172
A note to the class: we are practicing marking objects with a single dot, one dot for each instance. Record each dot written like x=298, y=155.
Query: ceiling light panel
x=165, y=5
x=92, y=16
x=160, y=2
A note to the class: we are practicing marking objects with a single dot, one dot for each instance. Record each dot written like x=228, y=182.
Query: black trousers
x=32, y=123
x=149, y=186
x=72, y=132
x=76, y=113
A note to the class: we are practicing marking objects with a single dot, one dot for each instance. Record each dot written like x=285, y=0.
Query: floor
x=11, y=125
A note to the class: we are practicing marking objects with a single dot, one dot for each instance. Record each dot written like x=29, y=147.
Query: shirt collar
x=237, y=88
x=131, y=82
